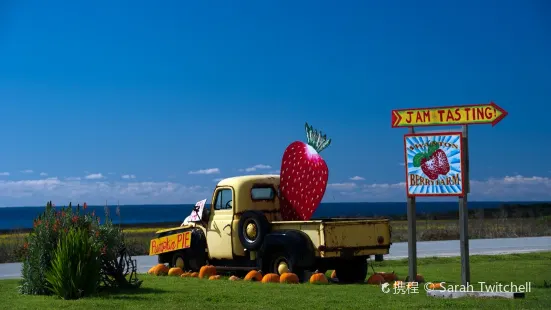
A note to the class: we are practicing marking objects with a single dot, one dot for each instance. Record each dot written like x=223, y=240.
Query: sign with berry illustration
x=303, y=176
x=434, y=164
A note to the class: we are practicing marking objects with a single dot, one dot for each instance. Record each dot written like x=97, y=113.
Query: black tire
x=196, y=254
x=179, y=260
x=353, y=271
x=262, y=228
x=271, y=266
x=163, y=258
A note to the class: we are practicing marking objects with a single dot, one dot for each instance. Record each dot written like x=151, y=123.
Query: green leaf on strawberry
x=433, y=147
x=417, y=159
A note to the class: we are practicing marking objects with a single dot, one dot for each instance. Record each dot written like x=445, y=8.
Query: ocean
x=22, y=217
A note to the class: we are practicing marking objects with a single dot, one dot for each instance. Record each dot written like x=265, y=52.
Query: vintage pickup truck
x=242, y=230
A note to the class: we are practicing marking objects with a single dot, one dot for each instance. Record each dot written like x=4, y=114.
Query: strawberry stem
x=315, y=139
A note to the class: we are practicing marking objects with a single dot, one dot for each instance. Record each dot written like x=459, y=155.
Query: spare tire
x=252, y=228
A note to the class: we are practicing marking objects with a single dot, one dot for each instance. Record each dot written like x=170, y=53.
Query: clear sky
x=124, y=100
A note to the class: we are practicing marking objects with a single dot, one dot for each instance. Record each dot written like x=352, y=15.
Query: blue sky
x=154, y=90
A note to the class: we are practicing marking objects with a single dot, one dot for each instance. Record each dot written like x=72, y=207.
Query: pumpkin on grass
x=254, y=275
x=318, y=278
x=175, y=271
x=289, y=278
x=270, y=278
x=215, y=277
x=160, y=270
x=186, y=275
x=234, y=278
x=388, y=276
x=152, y=269
x=376, y=279
x=334, y=274
x=207, y=271
x=436, y=286
x=194, y=275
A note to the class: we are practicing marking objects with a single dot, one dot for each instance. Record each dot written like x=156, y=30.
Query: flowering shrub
x=76, y=265
x=41, y=244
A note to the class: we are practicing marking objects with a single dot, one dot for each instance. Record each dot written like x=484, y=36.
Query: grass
x=427, y=230
x=479, y=228
x=192, y=293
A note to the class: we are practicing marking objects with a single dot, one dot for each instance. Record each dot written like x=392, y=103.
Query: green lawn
x=192, y=293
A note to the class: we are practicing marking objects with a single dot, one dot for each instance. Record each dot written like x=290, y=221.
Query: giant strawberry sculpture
x=303, y=177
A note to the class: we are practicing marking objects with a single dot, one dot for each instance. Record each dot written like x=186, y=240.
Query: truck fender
x=296, y=243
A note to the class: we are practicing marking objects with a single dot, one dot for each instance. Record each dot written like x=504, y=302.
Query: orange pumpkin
x=176, y=271
x=207, y=271
x=234, y=278
x=215, y=277
x=436, y=286
x=388, y=276
x=254, y=275
x=160, y=270
x=318, y=278
x=152, y=269
x=376, y=279
x=334, y=274
x=289, y=278
x=270, y=278
x=194, y=275
x=185, y=275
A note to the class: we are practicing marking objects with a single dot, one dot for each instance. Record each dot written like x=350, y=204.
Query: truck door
x=219, y=230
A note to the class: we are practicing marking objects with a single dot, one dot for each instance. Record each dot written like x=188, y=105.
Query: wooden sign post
x=437, y=165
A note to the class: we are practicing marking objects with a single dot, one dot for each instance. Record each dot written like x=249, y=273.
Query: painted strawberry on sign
x=303, y=176
x=434, y=162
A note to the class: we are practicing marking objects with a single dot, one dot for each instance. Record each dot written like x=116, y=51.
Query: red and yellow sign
x=448, y=116
x=170, y=243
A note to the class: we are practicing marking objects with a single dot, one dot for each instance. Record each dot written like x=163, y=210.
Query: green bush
x=76, y=265
x=41, y=245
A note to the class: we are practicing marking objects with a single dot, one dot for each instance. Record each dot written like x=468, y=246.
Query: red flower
x=84, y=206
x=62, y=213
x=55, y=227
x=75, y=218
x=97, y=233
x=25, y=245
x=93, y=213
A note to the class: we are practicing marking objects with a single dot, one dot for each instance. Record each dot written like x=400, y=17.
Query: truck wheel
x=197, y=257
x=179, y=260
x=352, y=271
x=253, y=227
x=281, y=262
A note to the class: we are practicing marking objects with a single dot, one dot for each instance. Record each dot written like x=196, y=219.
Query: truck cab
x=242, y=230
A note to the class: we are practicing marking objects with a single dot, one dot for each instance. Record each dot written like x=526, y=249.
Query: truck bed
x=341, y=236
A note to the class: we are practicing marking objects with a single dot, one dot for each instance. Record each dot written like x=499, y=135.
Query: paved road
x=397, y=251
